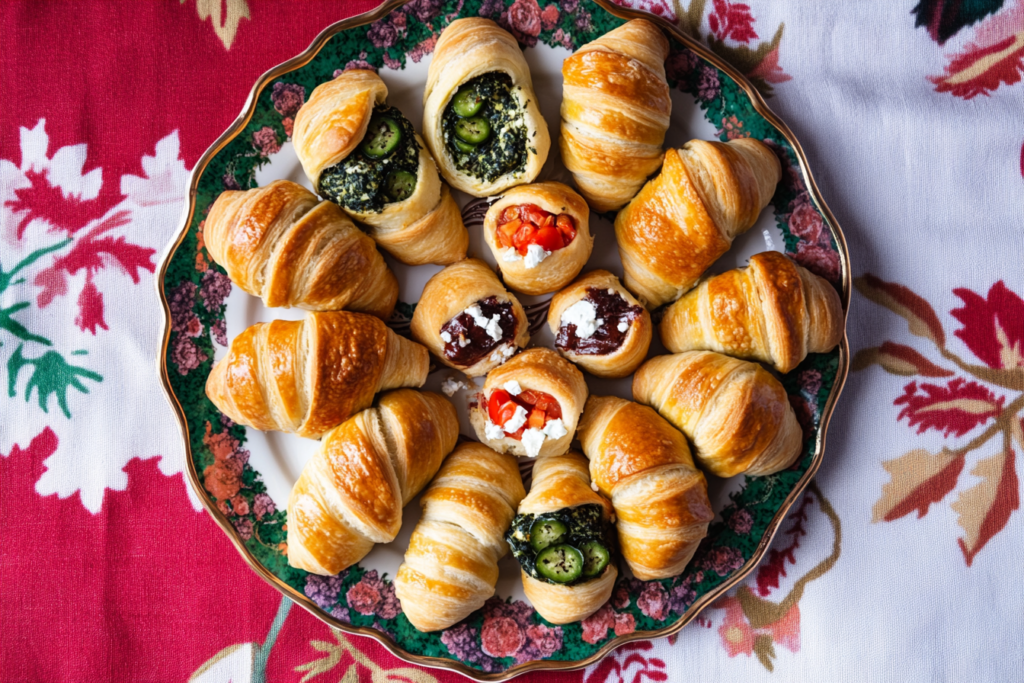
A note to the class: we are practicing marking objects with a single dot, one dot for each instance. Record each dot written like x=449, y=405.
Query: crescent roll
x=540, y=236
x=615, y=111
x=562, y=483
x=397, y=193
x=287, y=247
x=451, y=566
x=467, y=318
x=537, y=400
x=351, y=493
x=735, y=413
x=500, y=138
x=642, y=463
x=307, y=376
x=773, y=311
x=684, y=219
x=599, y=326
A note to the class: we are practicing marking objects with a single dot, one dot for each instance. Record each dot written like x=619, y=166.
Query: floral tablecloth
x=901, y=562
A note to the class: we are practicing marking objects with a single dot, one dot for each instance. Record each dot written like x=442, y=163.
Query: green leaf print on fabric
x=51, y=374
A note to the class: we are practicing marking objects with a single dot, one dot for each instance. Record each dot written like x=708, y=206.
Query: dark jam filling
x=505, y=149
x=584, y=525
x=613, y=309
x=480, y=343
x=359, y=182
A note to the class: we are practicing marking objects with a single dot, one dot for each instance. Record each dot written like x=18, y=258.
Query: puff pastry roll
x=735, y=413
x=684, y=219
x=287, y=247
x=540, y=236
x=530, y=405
x=615, y=111
x=562, y=539
x=642, y=463
x=307, y=376
x=480, y=114
x=772, y=311
x=365, y=156
x=599, y=326
x=451, y=566
x=351, y=493
x=468, y=319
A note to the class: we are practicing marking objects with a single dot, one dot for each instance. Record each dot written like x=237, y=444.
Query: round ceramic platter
x=245, y=476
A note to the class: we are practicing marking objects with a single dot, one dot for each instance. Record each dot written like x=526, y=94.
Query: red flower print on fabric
x=732, y=20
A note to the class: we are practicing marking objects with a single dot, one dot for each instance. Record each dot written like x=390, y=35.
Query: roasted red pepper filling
x=539, y=406
x=526, y=224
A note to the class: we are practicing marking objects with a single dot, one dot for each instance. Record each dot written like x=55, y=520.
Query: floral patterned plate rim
x=192, y=290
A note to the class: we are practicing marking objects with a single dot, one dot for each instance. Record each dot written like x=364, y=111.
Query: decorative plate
x=244, y=476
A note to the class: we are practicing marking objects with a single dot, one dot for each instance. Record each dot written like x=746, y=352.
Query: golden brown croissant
x=418, y=224
x=284, y=245
x=735, y=413
x=615, y=111
x=352, y=491
x=451, y=566
x=642, y=463
x=307, y=376
x=561, y=482
x=772, y=311
x=684, y=219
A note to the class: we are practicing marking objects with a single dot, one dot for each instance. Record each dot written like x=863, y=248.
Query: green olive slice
x=474, y=130
x=400, y=185
x=595, y=558
x=382, y=137
x=467, y=102
x=560, y=563
x=546, y=532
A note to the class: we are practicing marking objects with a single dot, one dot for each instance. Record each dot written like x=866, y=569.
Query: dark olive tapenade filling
x=614, y=311
x=381, y=170
x=483, y=128
x=567, y=547
x=466, y=342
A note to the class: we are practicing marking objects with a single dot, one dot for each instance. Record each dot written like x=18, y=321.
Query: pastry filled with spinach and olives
x=480, y=114
x=365, y=156
x=563, y=540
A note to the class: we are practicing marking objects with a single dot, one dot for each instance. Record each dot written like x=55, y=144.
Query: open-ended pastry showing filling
x=381, y=170
x=524, y=415
x=486, y=327
x=597, y=324
x=568, y=546
x=530, y=233
x=483, y=128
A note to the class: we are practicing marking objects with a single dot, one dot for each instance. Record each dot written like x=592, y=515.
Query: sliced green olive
x=474, y=130
x=463, y=146
x=546, y=532
x=467, y=102
x=595, y=558
x=560, y=563
x=382, y=137
x=400, y=185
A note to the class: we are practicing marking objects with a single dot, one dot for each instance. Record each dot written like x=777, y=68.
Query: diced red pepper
x=498, y=398
x=536, y=419
x=506, y=413
x=528, y=397
x=549, y=239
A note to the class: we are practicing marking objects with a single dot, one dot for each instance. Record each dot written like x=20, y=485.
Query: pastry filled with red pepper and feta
x=530, y=405
x=600, y=326
x=540, y=236
x=468, y=320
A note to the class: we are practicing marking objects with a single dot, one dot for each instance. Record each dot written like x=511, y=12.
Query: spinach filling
x=483, y=128
x=381, y=170
x=567, y=547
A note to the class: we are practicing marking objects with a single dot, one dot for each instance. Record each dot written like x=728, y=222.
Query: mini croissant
x=772, y=311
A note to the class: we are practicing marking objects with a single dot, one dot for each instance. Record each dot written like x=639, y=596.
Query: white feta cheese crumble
x=492, y=327
x=582, y=314
x=493, y=431
x=510, y=255
x=502, y=353
x=623, y=326
x=533, y=439
x=611, y=291
x=593, y=485
x=452, y=385
x=517, y=420
x=463, y=342
x=446, y=337
x=512, y=387
x=534, y=255
x=555, y=429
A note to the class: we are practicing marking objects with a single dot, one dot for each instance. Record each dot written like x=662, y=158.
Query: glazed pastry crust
x=287, y=247
x=735, y=413
x=772, y=311
x=351, y=493
x=616, y=108
x=644, y=466
x=540, y=369
x=310, y=375
x=559, y=482
x=469, y=48
x=452, y=291
x=451, y=566
x=684, y=219
x=628, y=357
x=563, y=264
